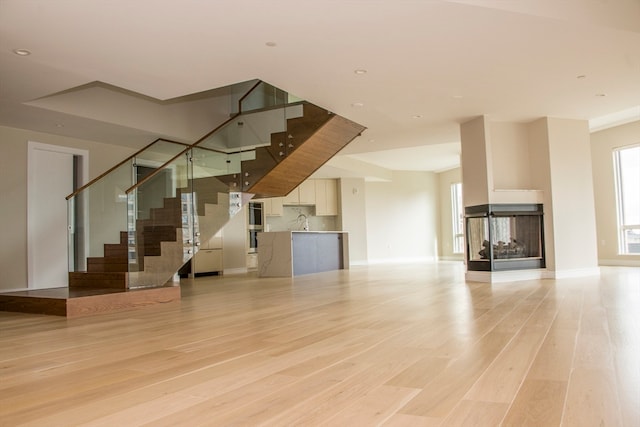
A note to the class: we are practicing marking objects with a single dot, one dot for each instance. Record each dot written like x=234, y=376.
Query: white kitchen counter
x=292, y=253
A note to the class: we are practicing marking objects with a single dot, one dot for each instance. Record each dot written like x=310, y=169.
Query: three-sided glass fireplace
x=504, y=237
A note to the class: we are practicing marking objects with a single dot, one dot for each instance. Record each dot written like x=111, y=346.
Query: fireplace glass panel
x=478, y=233
x=504, y=237
x=515, y=237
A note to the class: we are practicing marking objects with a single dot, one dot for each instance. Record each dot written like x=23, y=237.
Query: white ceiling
x=430, y=64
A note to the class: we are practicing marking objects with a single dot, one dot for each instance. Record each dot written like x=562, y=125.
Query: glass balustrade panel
x=263, y=96
x=213, y=172
x=160, y=223
x=156, y=155
x=97, y=215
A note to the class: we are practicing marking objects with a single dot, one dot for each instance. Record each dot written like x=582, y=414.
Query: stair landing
x=86, y=302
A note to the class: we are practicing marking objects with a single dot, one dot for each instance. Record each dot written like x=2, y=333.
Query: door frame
x=83, y=174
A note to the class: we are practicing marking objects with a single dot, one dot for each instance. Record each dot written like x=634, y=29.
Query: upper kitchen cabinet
x=304, y=194
x=326, y=197
x=273, y=206
x=323, y=193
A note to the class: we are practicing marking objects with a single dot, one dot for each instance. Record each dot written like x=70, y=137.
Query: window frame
x=457, y=218
x=622, y=226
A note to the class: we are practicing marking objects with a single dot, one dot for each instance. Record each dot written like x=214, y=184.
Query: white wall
x=13, y=193
x=353, y=217
x=476, y=161
x=445, y=231
x=510, y=156
x=602, y=145
x=541, y=180
x=574, y=220
x=402, y=218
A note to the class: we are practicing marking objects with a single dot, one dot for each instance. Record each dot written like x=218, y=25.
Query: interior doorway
x=53, y=172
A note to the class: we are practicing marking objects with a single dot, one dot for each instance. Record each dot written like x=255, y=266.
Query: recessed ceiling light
x=271, y=44
x=581, y=76
x=22, y=52
x=360, y=71
x=357, y=104
x=601, y=95
x=416, y=116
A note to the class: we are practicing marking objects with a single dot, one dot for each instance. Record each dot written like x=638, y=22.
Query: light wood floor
x=400, y=345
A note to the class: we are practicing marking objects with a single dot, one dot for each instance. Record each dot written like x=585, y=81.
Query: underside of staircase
x=294, y=155
x=319, y=148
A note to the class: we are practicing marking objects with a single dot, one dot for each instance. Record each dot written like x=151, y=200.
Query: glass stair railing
x=97, y=213
x=156, y=208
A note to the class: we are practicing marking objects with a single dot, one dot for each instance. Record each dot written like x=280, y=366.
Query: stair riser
x=98, y=280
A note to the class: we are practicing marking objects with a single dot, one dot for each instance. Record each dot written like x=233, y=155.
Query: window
x=457, y=218
x=627, y=173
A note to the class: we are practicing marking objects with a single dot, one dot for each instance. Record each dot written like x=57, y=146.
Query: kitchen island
x=292, y=253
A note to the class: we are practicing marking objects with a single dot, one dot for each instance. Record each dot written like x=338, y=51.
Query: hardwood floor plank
x=538, y=403
x=375, y=407
x=420, y=373
x=502, y=379
x=404, y=420
x=382, y=362
x=450, y=386
x=554, y=360
x=476, y=413
x=592, y=399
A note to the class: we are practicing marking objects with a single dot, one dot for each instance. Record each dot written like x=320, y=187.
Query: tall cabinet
x=209, y=258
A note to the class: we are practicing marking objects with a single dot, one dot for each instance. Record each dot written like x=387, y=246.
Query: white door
x=51, y=175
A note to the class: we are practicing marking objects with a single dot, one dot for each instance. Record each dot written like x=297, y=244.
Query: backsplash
x=291, y=220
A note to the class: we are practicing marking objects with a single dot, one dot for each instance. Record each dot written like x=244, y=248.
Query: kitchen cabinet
x=207, y=261
x=209, y=258
x=252, y=261
x=304, y=194
x=292, y=253
x=307, y=193
x=273, y=206
x=292, y=198
x=326, y=197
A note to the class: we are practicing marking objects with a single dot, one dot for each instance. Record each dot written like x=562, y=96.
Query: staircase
x=129, y=233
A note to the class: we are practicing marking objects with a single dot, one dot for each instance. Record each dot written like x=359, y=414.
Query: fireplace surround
x=503, y=237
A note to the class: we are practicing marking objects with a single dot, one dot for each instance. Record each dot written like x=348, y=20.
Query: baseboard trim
x=241, y=270
x=504, y=276
x=451, y=258
x=578, y=272
x=619, y=262
x=401, y=260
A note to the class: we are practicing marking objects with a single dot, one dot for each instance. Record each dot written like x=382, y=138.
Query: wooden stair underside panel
x=334, y=135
